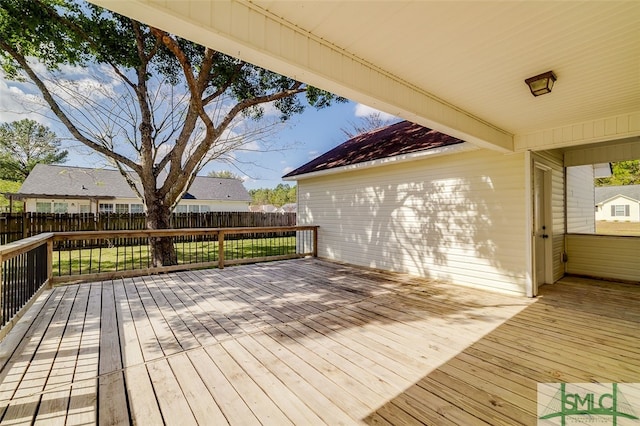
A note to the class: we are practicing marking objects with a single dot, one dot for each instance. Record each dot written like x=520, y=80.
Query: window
x=205, y=209
x=619, y=210
x=105, y=208
x=605, y=186
x=122, y=208
x=60, y=207
x=43, y=207
x=137, y=208
x=181, y=208
x=85, y=208
x=194, y=208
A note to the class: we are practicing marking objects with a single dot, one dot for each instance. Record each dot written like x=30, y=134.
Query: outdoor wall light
x=541, y=84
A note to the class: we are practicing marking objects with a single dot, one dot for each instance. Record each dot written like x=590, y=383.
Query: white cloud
x=287, y=170
x=312, y=154
x=16, y=104
x=82, y=88
x=364, y=111
x=78, y=85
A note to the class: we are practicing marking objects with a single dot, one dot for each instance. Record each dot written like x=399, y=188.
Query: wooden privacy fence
x=14, y=227
x=30, y=265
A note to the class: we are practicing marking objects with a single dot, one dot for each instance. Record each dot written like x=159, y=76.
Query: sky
x=299, y=140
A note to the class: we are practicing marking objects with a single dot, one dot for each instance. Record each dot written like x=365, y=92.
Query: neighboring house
x=263, y=208
x=288, y=208
x=618, y=203
x=270, y=208
x=409, y=199
x=63, y=189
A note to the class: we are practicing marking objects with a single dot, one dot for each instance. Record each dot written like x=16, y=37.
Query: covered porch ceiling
x=457, y=67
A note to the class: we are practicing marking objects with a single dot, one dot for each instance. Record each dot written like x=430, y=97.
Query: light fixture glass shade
x=541, y=84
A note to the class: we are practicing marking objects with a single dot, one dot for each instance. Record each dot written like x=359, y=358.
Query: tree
x=25, y=143
x=623, y=173
x=279, y=196
x=224, y=174
x=367, y=123
x=9, y=186
x=165, y=106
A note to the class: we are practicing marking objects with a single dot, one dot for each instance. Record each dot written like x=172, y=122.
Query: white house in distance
x=409, y=199
x=64, y=189
x=618, y=203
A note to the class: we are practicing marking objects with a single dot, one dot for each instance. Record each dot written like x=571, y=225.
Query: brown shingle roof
x=396, y=139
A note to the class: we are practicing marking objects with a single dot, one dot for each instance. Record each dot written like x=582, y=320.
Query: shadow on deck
x=309, y=342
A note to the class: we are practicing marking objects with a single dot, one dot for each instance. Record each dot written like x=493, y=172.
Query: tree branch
x=196, y=107
x=210, y=138
x=223, y=88
x=80, y=32
x=146, y=128
x=48, y=97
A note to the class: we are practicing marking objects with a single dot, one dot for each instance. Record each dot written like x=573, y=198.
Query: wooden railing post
x=2, y=301
x=50, y=262
x=221, y=249
x=315, y=241
x=25, y=225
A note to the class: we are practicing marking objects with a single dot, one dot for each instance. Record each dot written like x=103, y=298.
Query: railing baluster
x=23, y=271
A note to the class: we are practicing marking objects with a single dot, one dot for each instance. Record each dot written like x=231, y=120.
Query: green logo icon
x=586, y=403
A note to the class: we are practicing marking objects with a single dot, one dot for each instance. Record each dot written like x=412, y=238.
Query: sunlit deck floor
x=309, y=342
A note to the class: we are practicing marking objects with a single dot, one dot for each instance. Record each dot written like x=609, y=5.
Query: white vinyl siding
x=604, y=256
x=611, y=152
x=581, y=200
x=459, y=217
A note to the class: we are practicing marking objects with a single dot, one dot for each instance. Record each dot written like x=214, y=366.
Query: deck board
x=308, y=342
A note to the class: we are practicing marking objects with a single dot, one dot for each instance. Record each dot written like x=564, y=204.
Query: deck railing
x=26, y=270
x=29, y=265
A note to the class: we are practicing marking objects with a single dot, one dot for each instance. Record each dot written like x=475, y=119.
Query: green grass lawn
x=618, y=228
x=94, y=260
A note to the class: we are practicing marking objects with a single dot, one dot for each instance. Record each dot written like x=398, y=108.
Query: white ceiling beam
x=243, y=30
x=621, y=126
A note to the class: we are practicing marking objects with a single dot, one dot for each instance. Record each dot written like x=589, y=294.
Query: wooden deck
x=308, y=342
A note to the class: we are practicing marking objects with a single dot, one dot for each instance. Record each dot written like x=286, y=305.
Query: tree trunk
x=162, y=251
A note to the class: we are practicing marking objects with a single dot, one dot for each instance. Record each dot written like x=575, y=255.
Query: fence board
x=17, y=226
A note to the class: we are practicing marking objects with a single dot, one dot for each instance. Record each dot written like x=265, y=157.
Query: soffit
x=476, y=55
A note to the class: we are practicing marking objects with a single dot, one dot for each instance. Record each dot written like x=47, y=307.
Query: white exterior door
x=542, y=231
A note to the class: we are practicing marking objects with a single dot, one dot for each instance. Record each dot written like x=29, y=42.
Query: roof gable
x=397, y=139
x=606, y=193
x=619, y=199
x=64, y=181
